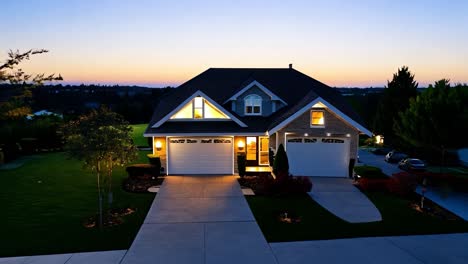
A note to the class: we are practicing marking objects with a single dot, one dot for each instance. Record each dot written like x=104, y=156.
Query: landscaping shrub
x=281, y=163
x=373, y=184
x=156, y=161
x=241, y=164
x=370, y=172
x=142, y=171
x=402, y=184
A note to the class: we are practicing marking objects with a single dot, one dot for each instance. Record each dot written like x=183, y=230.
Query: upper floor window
x=253, y=104
x=317, y=119
x=199, y=108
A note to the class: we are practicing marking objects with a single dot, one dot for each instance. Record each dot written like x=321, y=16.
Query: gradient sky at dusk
x=158, y=43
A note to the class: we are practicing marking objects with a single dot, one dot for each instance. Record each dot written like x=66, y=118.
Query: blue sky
x=167, y=42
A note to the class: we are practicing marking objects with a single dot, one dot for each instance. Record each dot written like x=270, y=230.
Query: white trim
x=259, y=85
x=227, y=134
x=329, y=106
x=167, y=156
x=198, y=93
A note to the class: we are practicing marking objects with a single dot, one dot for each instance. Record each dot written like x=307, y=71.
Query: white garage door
x=211, y=155
x=327, y=157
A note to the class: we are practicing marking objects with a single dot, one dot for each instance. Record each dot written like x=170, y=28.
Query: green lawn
x=317, y=223
x=138, y=138
x=45, y=201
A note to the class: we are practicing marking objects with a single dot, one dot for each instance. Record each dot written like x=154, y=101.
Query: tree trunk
x=109, y=174
x=98, y=171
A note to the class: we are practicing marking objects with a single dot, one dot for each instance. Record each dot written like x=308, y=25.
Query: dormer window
x=253, y=104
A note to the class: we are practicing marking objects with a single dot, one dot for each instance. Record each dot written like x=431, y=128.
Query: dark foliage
x=156, y=162
x=281, y=164
x=241, y=164
x=395, y=99
x=142, y=171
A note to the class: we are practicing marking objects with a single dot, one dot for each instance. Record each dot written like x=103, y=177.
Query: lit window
x=253, y=105
x=317, y=118
x=199, y=108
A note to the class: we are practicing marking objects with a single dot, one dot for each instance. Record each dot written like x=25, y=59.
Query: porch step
x=258, y=169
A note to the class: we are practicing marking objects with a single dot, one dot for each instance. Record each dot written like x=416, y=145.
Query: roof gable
x=181, y=108
x=319, y=102
x=261, y=87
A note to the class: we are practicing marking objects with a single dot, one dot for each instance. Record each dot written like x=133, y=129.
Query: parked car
x=412, y=164
x=395, y=156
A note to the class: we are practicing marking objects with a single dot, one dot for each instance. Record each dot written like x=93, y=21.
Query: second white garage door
x=328, y=157
x=211, y=155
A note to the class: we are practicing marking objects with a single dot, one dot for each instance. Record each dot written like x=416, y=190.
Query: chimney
x=290, y=65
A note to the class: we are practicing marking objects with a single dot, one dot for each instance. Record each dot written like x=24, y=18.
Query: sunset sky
x=159, y=43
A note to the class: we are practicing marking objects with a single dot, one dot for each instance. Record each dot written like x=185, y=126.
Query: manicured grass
x=317, y=223
x=45, y=201
x=138, y=138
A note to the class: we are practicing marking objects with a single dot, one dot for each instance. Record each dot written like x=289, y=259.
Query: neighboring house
x=203, y=125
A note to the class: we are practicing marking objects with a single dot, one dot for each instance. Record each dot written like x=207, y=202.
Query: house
x=205, y=123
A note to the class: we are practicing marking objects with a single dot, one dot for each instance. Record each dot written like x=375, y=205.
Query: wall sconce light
x=158, y=145
x=328, y=134
x=348, y=135
x=240, y=145
x=306, y=134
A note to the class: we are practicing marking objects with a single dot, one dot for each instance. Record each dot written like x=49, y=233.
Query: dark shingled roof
x=294, y=87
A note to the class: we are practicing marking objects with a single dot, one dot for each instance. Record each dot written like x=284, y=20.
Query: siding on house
x=333, y=125
x=267, y=103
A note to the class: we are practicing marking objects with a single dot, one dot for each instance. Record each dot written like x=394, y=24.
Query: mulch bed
x=136, y=185
x=113, y=217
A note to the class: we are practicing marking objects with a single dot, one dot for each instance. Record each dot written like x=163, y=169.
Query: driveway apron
x=340, y=197
x=200, y=219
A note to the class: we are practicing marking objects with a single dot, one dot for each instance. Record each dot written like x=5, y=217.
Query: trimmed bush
x=142, y=171
x=156, y=161
x=370, y=172
x=281, y=164
x=241, y=164
x=267, y=185
x=402, y=184
x=373, y=184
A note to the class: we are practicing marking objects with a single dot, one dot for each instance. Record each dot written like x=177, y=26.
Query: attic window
x=317, y=119
x=253, y=105
x=199, y=108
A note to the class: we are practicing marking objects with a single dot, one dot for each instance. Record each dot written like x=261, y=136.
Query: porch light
x=240, y=145
x=158, y=145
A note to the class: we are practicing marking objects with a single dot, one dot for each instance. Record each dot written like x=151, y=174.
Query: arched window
x=253, y=104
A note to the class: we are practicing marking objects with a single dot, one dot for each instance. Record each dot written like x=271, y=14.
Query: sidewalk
x=428, y=249
x=99, y=257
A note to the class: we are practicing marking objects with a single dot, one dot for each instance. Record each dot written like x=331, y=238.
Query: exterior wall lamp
x=158, y=145
x=240, y=145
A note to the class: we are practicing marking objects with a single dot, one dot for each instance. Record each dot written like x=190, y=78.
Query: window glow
x=199, y=108
x=317, y=118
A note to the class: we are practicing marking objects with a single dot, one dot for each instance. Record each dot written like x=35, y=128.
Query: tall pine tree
x=395, y=99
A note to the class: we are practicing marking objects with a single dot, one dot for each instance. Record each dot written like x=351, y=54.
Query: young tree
x=103, y=140
x=437, y=119
x=395, y=99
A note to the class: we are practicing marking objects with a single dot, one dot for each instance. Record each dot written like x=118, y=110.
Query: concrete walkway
x=99, y=257
x=455, y=202
x=343, y=199
x=200, y=219
x=428, y=249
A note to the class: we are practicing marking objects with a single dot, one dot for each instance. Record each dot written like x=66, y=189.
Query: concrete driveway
x=340, y=197
x=368, y=158
x=200, y=219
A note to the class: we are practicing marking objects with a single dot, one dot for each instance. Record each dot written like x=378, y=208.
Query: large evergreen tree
x=437, y=119
x=395, y=99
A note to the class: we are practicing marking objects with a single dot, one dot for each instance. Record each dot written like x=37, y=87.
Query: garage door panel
x=318, y=158
x=200, y=155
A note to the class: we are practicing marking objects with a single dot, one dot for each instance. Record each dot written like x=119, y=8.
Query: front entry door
x=252, y=151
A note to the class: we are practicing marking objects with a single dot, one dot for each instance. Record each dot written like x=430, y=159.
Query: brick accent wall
x=333, y=124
